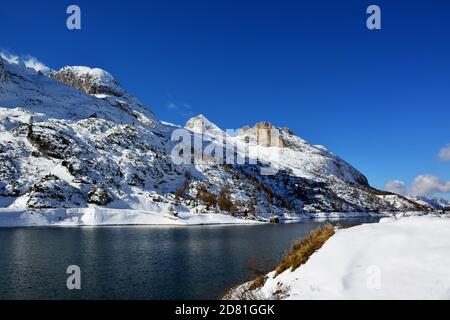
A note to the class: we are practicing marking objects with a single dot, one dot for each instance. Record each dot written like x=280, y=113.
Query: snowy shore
x=398, y=258
x=98, y=216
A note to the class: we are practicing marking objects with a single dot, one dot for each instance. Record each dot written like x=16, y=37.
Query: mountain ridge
x=75, y=138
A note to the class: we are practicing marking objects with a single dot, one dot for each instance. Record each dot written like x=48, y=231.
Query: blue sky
x=379, y=99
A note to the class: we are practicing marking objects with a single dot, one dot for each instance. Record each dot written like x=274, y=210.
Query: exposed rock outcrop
x=99, y=195
x=88, y=80
x=51, y=192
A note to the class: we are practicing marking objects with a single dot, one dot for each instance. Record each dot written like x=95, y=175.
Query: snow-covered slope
x=432, y=202
x=364, y=262
x=35, y=95
x=76, y=138
x=304, y=159
x=306, y=178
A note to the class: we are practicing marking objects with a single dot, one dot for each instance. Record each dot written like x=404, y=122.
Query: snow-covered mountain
x=432, y=202
x=75, y=138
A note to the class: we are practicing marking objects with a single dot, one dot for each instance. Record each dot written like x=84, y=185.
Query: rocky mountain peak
x=264, y=125
x=89, y=80
x=201, y=124
x=263, y=133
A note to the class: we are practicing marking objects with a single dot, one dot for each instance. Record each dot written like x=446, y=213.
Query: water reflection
x=141, y=262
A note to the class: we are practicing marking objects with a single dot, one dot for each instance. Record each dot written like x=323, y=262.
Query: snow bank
x=16, y=216
x=96, y=216
x=406, y=258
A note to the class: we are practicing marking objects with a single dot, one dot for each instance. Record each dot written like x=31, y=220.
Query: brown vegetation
x=208, y=198
x=224, y=202
x=181, y=191
x=258, y=283
x=302, y=250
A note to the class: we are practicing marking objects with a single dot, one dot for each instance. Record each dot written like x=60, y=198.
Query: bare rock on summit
x=263, y=133
x=89, y=80
x=200, y=124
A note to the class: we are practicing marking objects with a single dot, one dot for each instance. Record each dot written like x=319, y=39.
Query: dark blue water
x=198, y=262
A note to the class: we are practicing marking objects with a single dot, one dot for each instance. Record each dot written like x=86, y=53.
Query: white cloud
x=444, y=154
x=184, y=109
x=423, y=185
x=29, y=61
x=428, y=185
x=11, y=58
x=396, y=186
x=33, y=63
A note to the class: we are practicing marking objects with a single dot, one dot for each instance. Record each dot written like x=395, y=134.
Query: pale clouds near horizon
x=428, y=185
x=396, y=186
x=444, y=154
x=423, y=185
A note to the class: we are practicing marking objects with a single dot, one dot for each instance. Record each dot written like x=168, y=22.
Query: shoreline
x=100, y=216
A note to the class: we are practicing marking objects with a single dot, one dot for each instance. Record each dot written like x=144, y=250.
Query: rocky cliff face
x=75, y=137
x=91, y=81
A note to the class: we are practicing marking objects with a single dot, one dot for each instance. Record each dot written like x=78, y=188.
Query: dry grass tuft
x=302, y=250
x=258, y=283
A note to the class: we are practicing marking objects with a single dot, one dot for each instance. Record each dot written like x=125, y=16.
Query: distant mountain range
x=433, y=202
x=75, y=137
